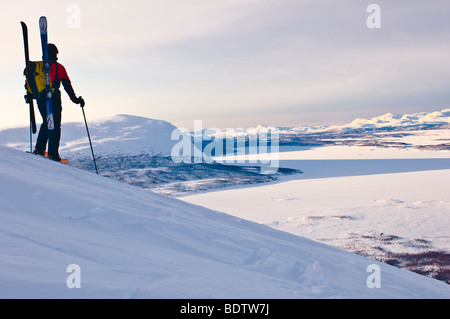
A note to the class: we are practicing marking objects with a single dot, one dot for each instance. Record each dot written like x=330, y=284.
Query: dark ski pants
x=52, y=136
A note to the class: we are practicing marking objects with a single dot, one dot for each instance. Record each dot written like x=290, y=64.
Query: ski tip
x=43, y=24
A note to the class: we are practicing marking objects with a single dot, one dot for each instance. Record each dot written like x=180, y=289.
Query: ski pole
x=29, y=100
x=89, y=136
x=31, y=138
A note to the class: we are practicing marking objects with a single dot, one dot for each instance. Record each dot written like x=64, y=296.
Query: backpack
x=35, y=78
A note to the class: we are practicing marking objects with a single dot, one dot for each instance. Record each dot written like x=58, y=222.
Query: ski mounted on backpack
x=48, y=88
x=28, y=98
x=38, y=76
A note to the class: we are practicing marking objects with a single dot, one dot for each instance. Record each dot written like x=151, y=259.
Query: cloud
x=203, y=58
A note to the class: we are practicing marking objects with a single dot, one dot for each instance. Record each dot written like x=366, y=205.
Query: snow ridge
x=131, y=243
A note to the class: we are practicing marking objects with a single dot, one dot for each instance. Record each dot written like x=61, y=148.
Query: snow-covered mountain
x=389, y=121
x=134, y=135
x=386, y=122
x=369, y=132
x=358, y=128
x=137, y=150
x=62, y=227
x=120, y=134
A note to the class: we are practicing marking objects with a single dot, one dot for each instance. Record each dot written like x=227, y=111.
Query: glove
x=79, y=100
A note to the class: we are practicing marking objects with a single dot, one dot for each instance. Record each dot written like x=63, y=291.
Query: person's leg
x=41, y=143
x=55, y=134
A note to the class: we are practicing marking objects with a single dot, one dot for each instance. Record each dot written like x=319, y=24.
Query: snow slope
x=386, y=203
x=132, y=243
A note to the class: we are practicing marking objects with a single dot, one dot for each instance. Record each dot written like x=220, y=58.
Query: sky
x=235, y=63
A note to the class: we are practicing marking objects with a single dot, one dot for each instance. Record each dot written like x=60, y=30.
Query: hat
x=52, y=52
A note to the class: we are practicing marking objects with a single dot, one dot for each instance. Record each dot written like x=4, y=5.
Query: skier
x=58, y=75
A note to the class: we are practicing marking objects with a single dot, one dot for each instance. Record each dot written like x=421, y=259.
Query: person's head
x=52, y=52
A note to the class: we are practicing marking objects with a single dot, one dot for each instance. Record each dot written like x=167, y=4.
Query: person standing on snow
x=58, y=75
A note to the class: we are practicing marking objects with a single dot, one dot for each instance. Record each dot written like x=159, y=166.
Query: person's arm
x=67, y=84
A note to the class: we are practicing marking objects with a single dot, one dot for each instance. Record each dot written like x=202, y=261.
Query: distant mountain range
x=134, y=135
x=137, y=150
x=386, y=122
x=430, y=119
x=360, y=129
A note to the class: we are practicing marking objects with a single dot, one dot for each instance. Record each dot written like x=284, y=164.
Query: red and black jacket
x=58, y=75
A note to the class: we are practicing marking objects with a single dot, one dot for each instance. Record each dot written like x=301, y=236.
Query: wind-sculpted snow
x=132, y=243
